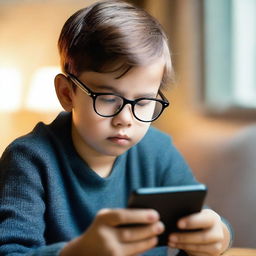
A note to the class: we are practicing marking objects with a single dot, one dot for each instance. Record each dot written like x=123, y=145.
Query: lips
x=120, y=139
x=125, y=137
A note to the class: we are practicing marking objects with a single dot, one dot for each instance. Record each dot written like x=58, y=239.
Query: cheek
x=88, y=122
x=84, y=117
x=83, y=112
x=91, y=131
x=140, y=131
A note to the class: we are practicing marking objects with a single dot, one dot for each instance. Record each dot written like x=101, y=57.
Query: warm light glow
x=10, y=89
x=42, y=96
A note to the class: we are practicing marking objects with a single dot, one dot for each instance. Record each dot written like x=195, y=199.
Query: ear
x=64, y=92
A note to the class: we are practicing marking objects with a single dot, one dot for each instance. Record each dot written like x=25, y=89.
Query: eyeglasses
x=109, y=104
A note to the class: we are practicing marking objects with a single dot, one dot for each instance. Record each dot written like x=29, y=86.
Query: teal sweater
x=49, y=195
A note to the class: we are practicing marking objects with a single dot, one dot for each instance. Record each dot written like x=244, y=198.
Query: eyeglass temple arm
x=163, y=97
x=79, y=84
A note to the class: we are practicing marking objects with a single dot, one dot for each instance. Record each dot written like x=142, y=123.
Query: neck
x=101, y=164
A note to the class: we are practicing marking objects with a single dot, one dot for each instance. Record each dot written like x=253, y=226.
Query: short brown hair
x=112, y=35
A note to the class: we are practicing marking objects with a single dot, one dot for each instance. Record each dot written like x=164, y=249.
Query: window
x=229, y=56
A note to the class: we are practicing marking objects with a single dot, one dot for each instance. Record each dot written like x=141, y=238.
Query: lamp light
x=41, y=95
x=10, y=89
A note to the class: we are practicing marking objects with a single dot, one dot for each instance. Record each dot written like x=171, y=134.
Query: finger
x=203, y=220
x=198, y=237
x=135, y=233
x=116, y=217
x=138, y=247
x=199, y=249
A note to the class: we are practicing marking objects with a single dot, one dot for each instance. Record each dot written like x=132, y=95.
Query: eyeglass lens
x=144, y=109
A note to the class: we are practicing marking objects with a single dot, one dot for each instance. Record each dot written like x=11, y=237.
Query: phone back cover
x=171, y=207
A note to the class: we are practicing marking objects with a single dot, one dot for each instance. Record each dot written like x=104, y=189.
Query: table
x=240, y=252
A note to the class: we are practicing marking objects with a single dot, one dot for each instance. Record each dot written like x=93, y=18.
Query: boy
x=64, y=186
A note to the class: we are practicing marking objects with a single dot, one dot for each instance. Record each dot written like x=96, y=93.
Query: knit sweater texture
x=49, y=195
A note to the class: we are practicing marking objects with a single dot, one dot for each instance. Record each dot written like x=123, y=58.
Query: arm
x=22, y=205
x=23, y=211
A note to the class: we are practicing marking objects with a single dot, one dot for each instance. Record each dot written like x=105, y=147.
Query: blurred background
x=212, y=115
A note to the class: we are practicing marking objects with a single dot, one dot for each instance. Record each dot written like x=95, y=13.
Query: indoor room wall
x=29, y=32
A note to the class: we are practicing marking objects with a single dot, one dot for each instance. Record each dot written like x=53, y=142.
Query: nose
x=124, y=118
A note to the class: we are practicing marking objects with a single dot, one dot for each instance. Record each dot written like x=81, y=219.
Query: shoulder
x=158, y=158
x=26, y=152
x=40, y=141
x=35, y=156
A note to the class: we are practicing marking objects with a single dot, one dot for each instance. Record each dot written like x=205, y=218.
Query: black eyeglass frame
x=165, y=103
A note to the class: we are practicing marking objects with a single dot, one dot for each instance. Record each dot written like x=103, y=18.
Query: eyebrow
x=115, y=91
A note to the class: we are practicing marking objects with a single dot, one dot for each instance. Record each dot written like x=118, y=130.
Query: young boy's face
x=112, y=136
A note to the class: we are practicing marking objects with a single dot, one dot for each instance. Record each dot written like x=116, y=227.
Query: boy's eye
x=142, y=103
x=108, y=99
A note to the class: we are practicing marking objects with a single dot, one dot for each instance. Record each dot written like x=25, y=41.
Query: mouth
x=122, y=140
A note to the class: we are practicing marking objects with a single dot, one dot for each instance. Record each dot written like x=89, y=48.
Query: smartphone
x=172, y=203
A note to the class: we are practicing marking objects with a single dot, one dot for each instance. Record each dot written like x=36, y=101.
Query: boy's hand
x=109, y=236
x=212, y=239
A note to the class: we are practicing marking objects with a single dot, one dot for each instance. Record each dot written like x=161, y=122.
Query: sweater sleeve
x=22, y=204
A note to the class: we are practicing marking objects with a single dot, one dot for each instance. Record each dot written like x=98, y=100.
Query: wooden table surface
x=240, y=252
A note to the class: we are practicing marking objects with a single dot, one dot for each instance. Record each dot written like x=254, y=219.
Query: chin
x=116, y=154
x=116, y=151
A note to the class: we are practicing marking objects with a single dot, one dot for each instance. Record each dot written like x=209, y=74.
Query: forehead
x=142, y=78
